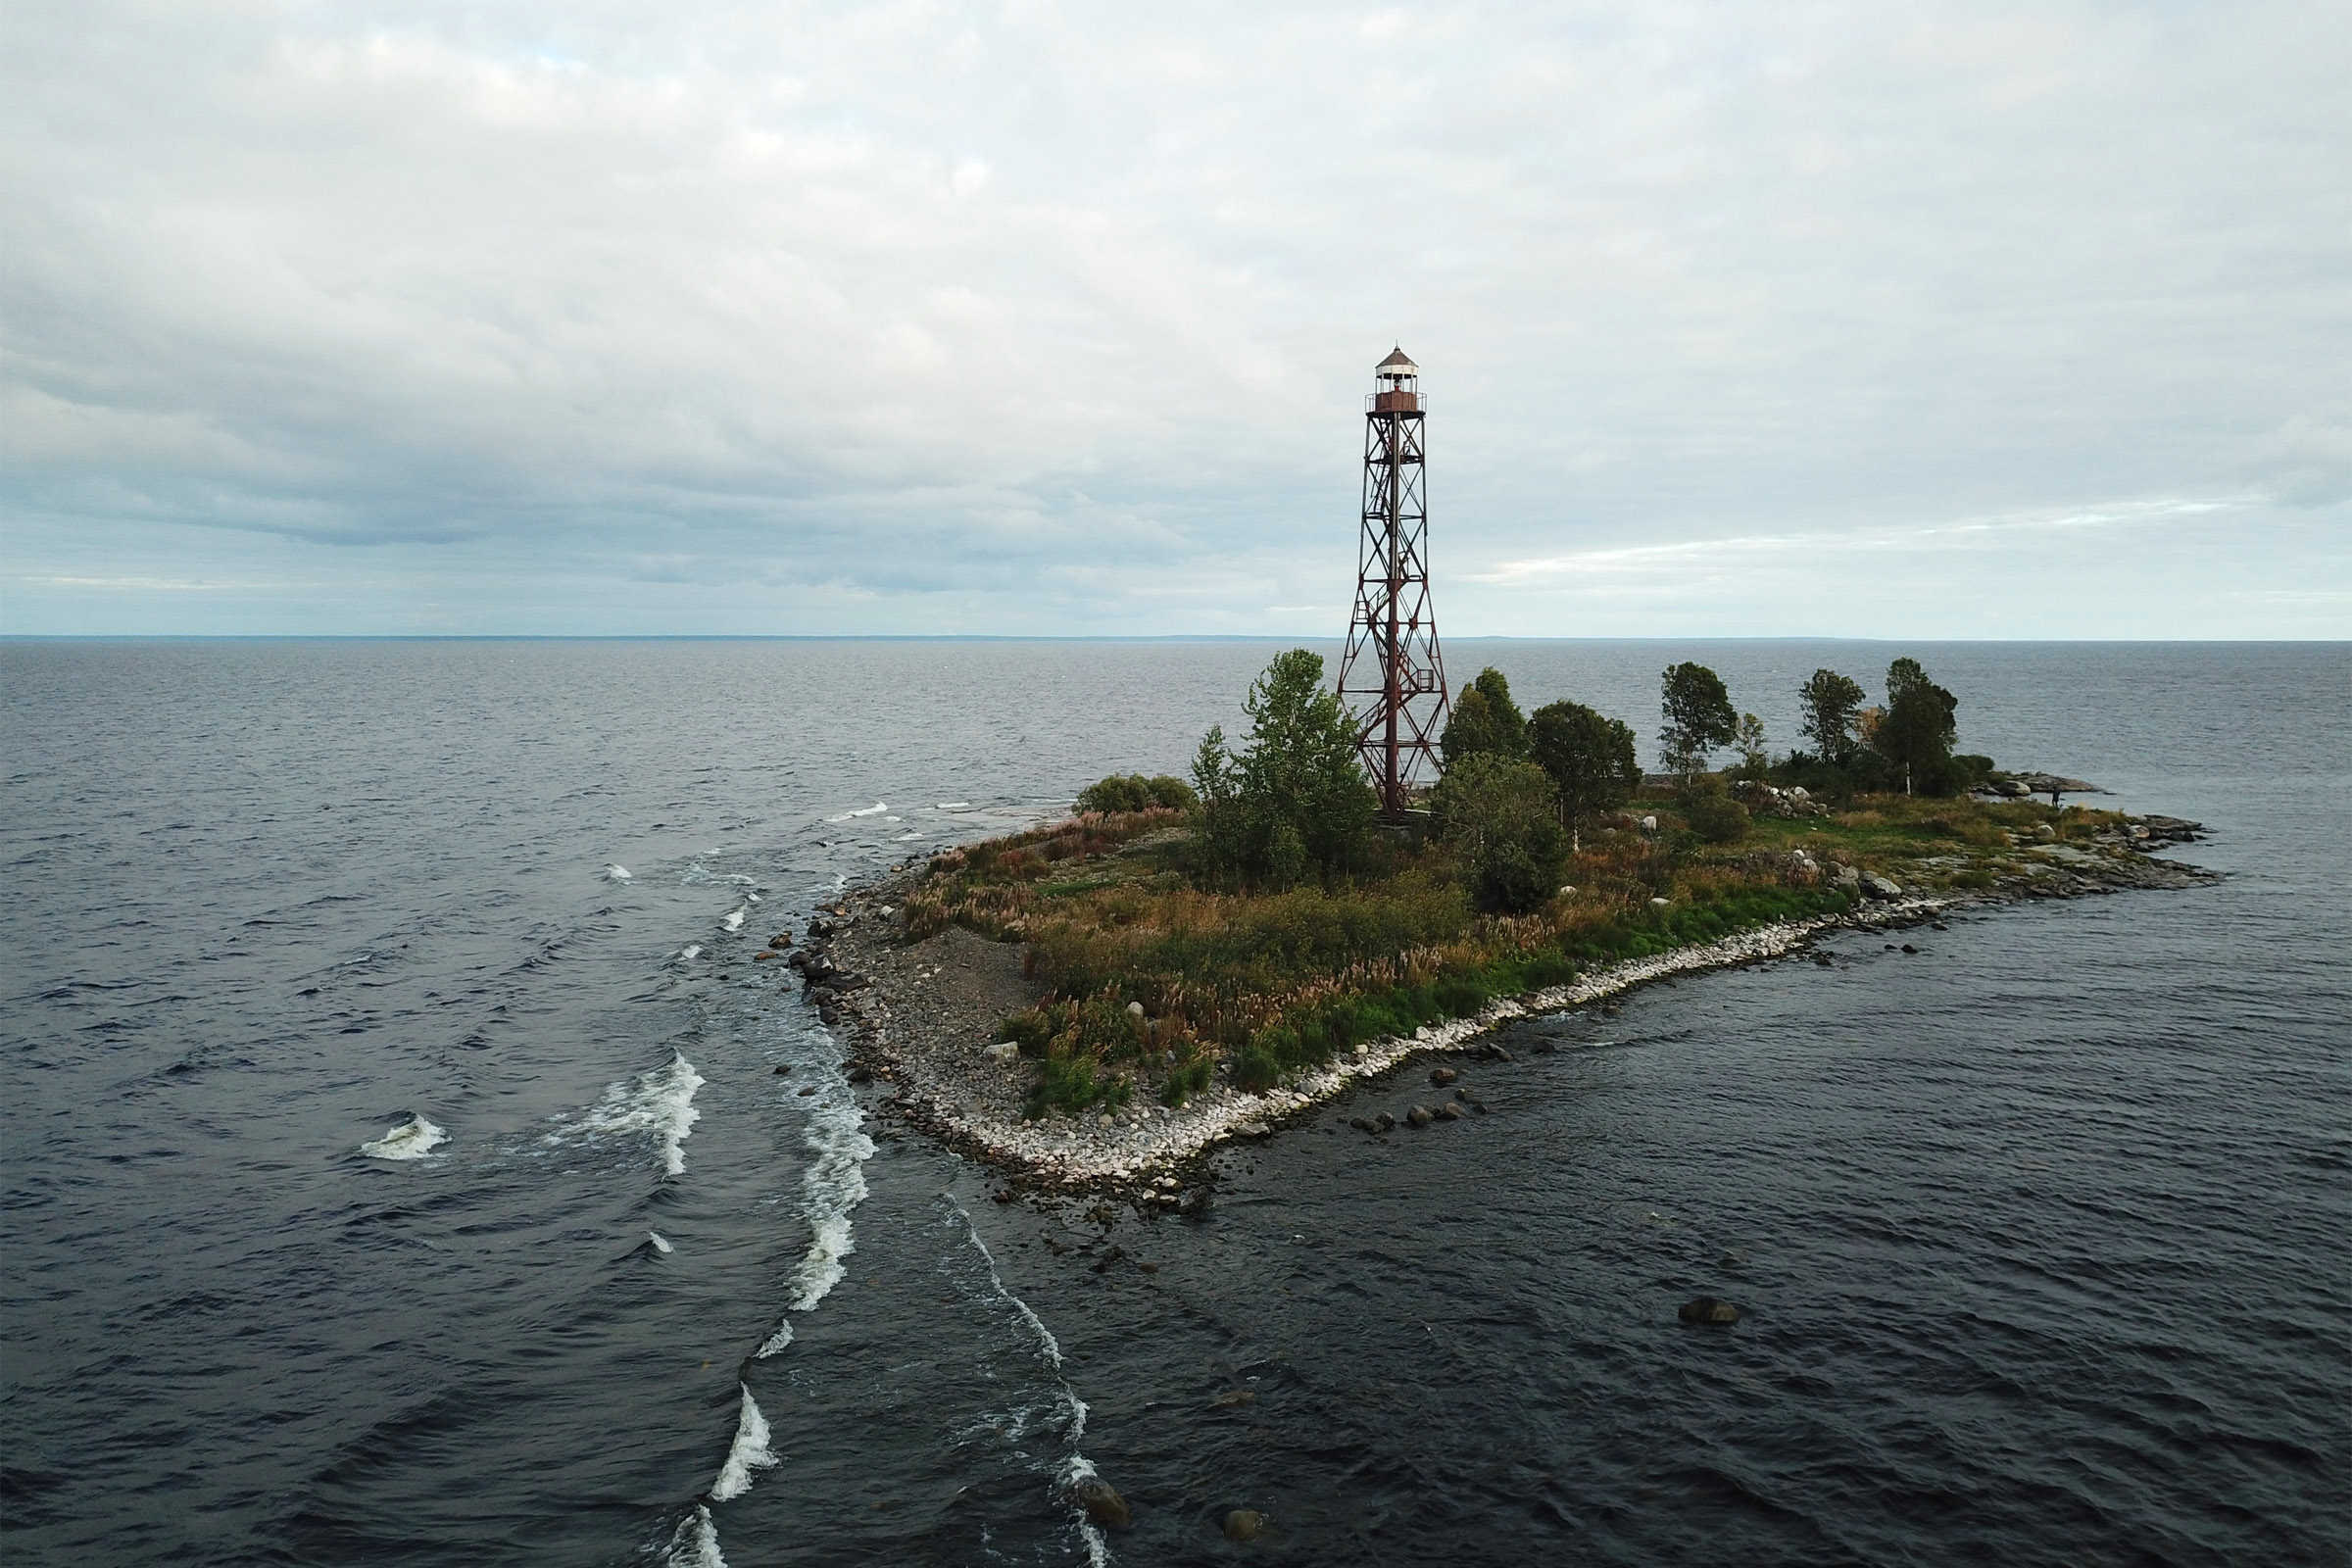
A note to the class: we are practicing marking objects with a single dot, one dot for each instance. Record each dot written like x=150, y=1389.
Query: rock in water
x=1707, y=1309
x=1441, y=1076
x=1450, y=1112
x=1419, y=1116
x=1243, y=1524
x=1102, y=1502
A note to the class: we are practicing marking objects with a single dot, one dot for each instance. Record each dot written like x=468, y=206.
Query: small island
x=1097, y=1000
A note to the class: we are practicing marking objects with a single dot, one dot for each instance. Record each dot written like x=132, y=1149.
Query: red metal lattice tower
x=1391, y=676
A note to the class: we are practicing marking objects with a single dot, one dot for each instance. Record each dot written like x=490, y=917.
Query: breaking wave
x=660, y=1102
x=750, y=1453
x=875, y=809
x=694, y=1542
x=1075, y=1466
x=413, y=1139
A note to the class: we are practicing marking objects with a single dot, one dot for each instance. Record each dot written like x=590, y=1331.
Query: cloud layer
x=1835, y=318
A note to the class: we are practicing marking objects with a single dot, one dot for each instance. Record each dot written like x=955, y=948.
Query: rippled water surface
x=408, y=1163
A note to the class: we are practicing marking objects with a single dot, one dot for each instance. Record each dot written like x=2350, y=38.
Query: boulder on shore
x=1708, y=1309
x=1879, y=887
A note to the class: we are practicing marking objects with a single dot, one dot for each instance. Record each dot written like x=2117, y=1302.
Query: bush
x=1070, y=1084
x=1712, y=815
x=1502, y=817
x=1186, y=1080
x=1132, y=792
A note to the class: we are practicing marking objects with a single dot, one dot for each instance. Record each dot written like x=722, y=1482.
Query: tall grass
x=1272, y=985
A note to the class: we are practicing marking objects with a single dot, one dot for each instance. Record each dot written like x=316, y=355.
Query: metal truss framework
x=1393, y=677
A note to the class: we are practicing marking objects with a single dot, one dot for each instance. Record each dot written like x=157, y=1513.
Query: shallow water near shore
x=2040, y=1234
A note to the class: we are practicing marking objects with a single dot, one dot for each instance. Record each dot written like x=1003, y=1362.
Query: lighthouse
x=1391, y=676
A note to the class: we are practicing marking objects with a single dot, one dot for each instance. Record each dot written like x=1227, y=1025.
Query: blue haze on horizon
x=1933, y=322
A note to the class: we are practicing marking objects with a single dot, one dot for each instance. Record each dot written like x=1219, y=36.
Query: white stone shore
x=1139, y=1147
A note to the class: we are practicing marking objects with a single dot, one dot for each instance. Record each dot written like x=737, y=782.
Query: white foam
x=660, y=1102
x=689, y=952
x=1077, y=1467
x=750, y=1454
x=875, y=809
x=775, y=1342
x=660, y=1242
x=413, y=1139
x=734, y=919
x=954, y=806
x=698, y=875
x=833, y=1185
x=694, y=1542
x=617, y=873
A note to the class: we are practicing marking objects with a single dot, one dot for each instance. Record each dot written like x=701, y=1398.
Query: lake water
x=2043, y=1234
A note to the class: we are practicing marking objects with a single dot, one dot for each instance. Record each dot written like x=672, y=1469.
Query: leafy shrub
x=1712, y=815
x=1132, y=792
x=1502, y=817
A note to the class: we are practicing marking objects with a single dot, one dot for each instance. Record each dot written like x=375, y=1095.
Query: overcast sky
x=1873, y=319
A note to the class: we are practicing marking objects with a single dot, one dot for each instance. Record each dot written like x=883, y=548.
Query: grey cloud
x=1051, y=317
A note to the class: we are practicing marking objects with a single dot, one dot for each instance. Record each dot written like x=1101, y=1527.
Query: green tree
x=1753, y=758
x=1919, y=727
x=1294, y=802
x=1483, y=720
x=1502, y=817
x=1831, y=704
x=1590, y=758
x=1698, y=718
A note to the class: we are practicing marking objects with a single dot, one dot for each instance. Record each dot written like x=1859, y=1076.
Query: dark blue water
x=2042, y=1233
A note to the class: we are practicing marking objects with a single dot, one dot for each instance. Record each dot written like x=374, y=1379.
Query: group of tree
x=1292, y=804
x=1906, y=744
x=1517, y=790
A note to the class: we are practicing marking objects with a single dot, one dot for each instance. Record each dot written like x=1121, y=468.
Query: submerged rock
x=1102, y=1502
x=1243, y=1524
x=1441, y=1076
x=1708, y=1309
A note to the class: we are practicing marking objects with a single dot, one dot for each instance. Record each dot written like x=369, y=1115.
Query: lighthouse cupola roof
x=1396, y=368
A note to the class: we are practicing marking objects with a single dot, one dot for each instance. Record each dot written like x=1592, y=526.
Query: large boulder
x=1879, y=887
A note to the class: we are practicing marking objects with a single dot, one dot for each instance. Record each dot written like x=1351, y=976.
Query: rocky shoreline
x=922, y=1017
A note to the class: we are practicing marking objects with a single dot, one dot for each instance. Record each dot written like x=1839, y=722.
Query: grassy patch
x=1156, y=985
